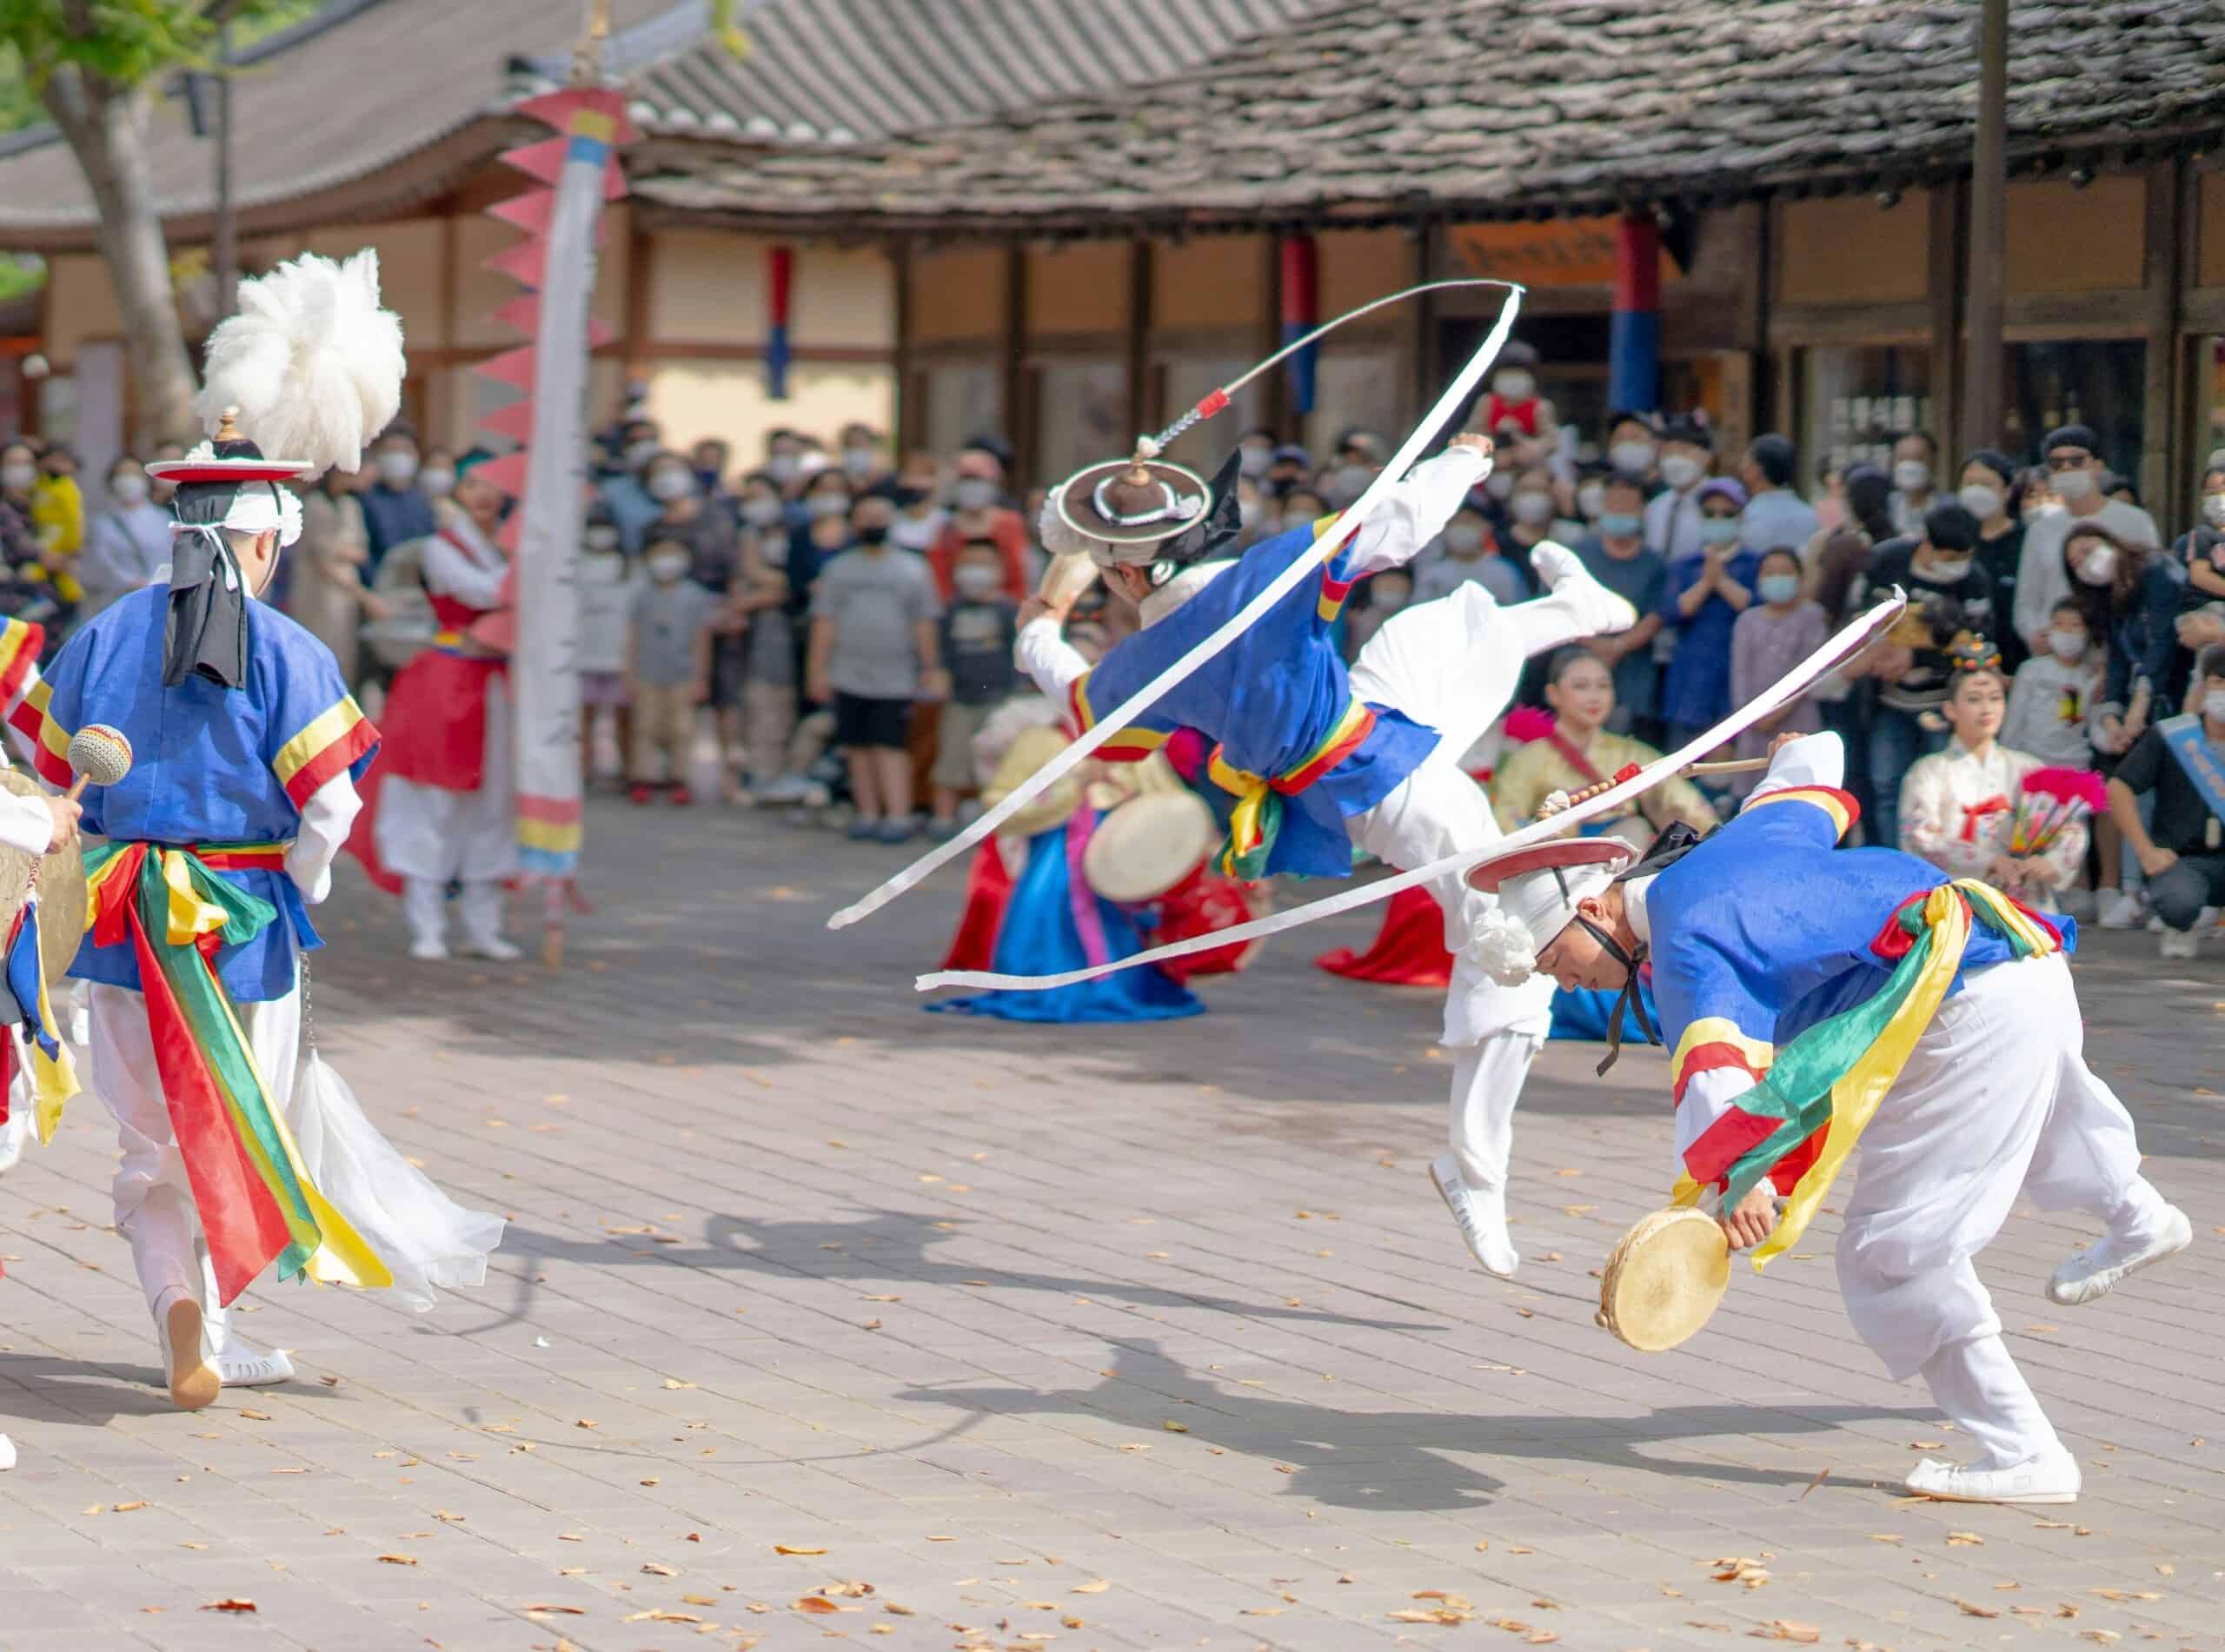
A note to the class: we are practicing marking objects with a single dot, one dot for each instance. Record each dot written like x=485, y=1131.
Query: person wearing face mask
x=978, y=628
x=446, y=809
x=919, y=514
x=1633, y=446
x=1916, y=463
x=607, y=580
x=2054, y=691
x=1251, y=512
x=1291, y=465
x=2073, y=459
x=784, y=456
x=396, y=509
x=1706, y=591
x=875, y=651
x=1778, y=630
x=758, y=608
x=2180, y=763
x=712, y=536
x=1950, y=597
x=707, y=458
x=2131, y=602
x=1524, y=422
x=2200, y=550
x=19, y=541
x=1256, y=453
x=329, y=597
x=1591, y=496
x=1614, y=554
x=129, y=543
x=863, y=455
x=1774, y=514
x=437, y=474
x=978, y=512
x=58, y=514
x=1989, y=491
x=667, y=670
x=1672, y=516
x=1466, y=554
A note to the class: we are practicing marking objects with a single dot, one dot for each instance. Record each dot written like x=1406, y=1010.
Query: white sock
x=424, y=907
x=1977, y=1384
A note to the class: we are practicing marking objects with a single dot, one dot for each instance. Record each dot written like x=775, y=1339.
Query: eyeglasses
x=2068, y=459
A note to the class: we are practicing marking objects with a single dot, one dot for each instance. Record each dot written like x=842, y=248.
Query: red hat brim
x=184, y=472
x=1561, y=852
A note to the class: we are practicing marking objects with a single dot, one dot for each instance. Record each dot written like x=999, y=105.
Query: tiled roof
x=1487, y=107
x=839, y=72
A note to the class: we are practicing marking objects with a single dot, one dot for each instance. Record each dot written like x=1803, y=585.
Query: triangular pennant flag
x=512, y=368
x=523, y=312
x=556, y=108
x=525, y=263
x=531, y=211
x=599, y=333
x=508, y=474
x=513, y=421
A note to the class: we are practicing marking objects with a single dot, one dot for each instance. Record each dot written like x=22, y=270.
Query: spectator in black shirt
x=2184, y=853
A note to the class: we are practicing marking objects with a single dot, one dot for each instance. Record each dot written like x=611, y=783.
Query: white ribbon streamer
x=1850, y=640
x=1112, y=722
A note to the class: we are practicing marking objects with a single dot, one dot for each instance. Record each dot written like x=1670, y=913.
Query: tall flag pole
x=574, y=174
x=780, y=275
x=1301, y=313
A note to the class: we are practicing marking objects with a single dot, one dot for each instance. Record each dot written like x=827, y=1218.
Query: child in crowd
x=875, y=650
x=1776, y=632
x=2054, y=693
x=668, y=669
x=978, y=631
x=607, y=589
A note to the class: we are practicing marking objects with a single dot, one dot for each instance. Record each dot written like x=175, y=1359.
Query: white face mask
x=781, y=468
x=665, y=568
x=915, y=534
x=1499, y=484
x=1911, y=475
x=439, y=483
x=823, y=505
x=1255, y=462
x=1247, y=512
x=1591, y=501
x=1463, y=539
x=1680, y=470
x=2212, y=509
x=640, y=452
x=860, y=462
x=397, y=469
x=1351, y=481
x=2066, y=645
x=2071, y=485
x=974, y=581
x=1636, y=457
x=17, y=478
x=671, y=483
x=129, y=490
x=1389, y=598
x=1980, y=500
x=2099, y=565
x=2213, y=705
x=761, y=512
x=1515, y=385
x=1777, y=587
x=1533, y=508
x=602, y=539
x=974, y=493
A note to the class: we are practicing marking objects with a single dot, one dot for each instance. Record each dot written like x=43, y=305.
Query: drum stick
x=1732, y=766
x=77, y=791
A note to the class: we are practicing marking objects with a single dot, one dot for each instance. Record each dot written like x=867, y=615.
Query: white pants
x=425, y=907
x=154, y=1200
x=1996, y=1101
x=1453, y=664
x=426, y=832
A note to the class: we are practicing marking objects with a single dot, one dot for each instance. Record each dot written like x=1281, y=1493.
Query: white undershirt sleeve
x=326, y=818
x=1052, y=661
x=450, y=572
x=25, y=823
x=1813, y=760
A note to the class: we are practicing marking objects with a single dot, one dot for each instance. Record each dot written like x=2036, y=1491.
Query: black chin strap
x=1630, y=1000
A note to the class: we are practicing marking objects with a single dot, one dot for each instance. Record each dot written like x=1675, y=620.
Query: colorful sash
x=2190, y=749
x=1834, y=1075
x=257, y=1202
x=54, y=1076
x=1257, y=819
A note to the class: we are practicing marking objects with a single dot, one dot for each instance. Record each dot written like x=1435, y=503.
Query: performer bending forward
x=1815, y=998
x=1313, y=760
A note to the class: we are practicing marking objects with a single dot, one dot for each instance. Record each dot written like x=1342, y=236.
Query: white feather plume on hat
x=311, y=362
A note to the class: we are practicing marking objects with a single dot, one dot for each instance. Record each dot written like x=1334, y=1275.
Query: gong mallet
x=99, y=755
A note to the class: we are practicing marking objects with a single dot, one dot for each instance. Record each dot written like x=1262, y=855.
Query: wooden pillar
x=911, y=417
x=2161, y=271
x=1422, y=372
x=1274, y=390
x=1634, y=341
x=1014, y=383
x=640, y=270
x=448, y=339
x=1771, y=414
x=1984, y=403
x=1945, y=278
x=1143, y=409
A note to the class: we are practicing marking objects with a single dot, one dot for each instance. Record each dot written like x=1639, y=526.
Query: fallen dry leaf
x=399, y=1560
x=1095, y=1586
x=658, y=1569
x=851, y=1590
x=229, y=1603
x=587, y=1422
x=820, y=1605
x=126, y=1507
x=1482, y=1545
x=260, y=1417
x=1457, y=1602
x=794, y=1549
x=894, y=1611
x=1971, y=1610
x=1964, y=1539
x=1887, y=1537
x=1785, y=1628
x=1926, y=1446
x=673, y=1382
x=568, y=1611
x=2164, y=1568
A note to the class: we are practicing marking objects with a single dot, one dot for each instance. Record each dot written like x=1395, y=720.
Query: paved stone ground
x=1127, y=1337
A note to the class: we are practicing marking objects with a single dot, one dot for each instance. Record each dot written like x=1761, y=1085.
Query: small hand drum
x=1665, y=1279
x=1149, y=844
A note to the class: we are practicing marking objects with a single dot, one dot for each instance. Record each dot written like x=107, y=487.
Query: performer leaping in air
x=1311, y=760
x=1814, y=997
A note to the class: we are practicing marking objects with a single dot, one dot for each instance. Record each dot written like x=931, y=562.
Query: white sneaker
x=493, y=946
x=2094, y=1272
x=7, y=1454
x=2048, y=1479
x=1481, y=1214
x=787, y=788
x=429, y=951
x=1598, y=610
x=2179, y=943
x=13, y=1135
x=2119, y=909
x=248, y=1366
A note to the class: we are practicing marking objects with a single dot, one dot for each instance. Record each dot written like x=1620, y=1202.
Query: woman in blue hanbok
x=1052, y=921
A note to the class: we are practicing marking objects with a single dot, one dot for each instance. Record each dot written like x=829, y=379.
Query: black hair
x=1779, y=550
x=1870, y=500
x=1631, y=415
x=1561, y=660
x=1257, y=430
x=1950, y=526
x=2072, y=436
x=1692, y=431
x=1775, y=458
x=1517, y=353
x=1930, y=443
x=2070, y=605
x=1996, y=461
x=2210, y=662
x=1629, y=479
